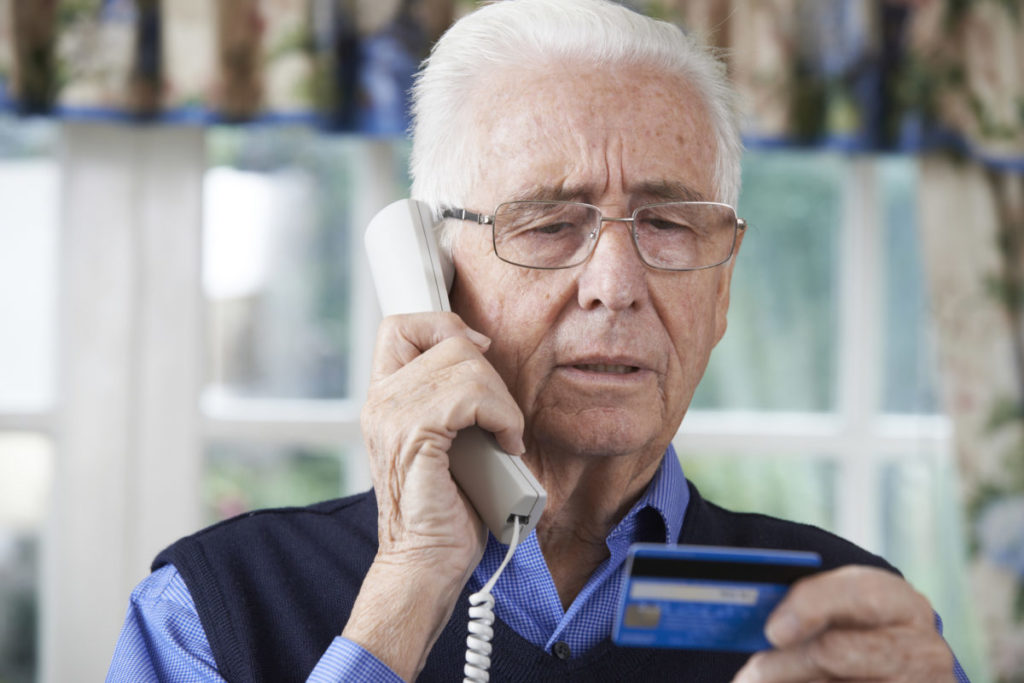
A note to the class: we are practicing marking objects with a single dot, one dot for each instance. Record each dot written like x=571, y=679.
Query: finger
x=401, y=338
x=483, y=399
x=443, y=390
x=849, y=596
x=902, y=652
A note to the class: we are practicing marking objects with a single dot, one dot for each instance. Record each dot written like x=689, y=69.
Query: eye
x=542, y=221
x=665, y=225
x=553, y=228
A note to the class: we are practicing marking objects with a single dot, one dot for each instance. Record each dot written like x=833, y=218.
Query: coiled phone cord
x=481, y=618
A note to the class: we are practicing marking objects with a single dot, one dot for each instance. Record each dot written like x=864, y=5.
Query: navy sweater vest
x=274, y=587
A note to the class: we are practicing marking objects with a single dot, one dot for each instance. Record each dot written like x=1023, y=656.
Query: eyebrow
x=651, y=191
x=668, y=191
x=550, y=193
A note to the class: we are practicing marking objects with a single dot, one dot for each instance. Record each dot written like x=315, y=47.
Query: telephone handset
x=412, y=275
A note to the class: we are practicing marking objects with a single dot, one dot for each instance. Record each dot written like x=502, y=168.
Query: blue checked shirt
x=163, y=639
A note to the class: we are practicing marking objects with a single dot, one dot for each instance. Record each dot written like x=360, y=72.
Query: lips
x=609, y=364
x=606, y=368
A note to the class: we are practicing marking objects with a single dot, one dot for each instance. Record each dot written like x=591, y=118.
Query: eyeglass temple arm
x=463, y=215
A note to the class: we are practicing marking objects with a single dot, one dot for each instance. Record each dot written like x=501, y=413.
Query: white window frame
x=131, y=418
x=858, y=436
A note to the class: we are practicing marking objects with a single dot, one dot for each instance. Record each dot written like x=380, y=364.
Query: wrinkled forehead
x=581, y=131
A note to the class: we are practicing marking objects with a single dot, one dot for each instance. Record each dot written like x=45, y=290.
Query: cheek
x=504, y=301
x=521, y=318
x=692, y=322
x=513, y=306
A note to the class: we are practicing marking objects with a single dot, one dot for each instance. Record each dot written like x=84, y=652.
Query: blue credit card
x=695, y=597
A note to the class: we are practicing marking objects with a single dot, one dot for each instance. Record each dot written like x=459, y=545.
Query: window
x=820, y=404
x=290, y=322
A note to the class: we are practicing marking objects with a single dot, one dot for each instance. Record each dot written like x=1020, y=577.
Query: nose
x=613, y=276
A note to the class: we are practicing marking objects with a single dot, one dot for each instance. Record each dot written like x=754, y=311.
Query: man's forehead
x=559, y=135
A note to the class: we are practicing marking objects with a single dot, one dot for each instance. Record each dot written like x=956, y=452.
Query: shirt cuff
x=346, y=661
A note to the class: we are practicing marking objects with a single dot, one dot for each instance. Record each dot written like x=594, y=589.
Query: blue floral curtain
x=964, y=78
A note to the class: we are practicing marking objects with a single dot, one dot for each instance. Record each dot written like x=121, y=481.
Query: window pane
x=243, y=476
x=799, y=488
x=910, y=359
x=922, y=533
x=279, y=203
x=779, y=351
x=28, y=253
x=25, y=478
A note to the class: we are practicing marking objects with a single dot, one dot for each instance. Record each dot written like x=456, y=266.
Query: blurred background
x=186, y=319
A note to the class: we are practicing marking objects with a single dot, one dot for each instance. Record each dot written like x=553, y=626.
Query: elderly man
x=592, y=158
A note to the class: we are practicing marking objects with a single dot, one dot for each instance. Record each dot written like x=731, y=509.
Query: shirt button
x=562, y=650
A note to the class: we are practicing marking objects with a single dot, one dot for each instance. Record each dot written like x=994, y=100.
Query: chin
x=599, y=436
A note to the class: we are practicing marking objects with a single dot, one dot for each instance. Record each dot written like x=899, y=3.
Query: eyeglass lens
x=672, y=236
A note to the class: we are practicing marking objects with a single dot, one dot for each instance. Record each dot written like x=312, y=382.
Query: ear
x=724, y=283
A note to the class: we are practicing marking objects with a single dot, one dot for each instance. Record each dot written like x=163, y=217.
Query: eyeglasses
x=553, y=234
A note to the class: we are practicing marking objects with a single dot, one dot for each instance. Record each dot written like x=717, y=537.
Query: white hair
x=519, y=34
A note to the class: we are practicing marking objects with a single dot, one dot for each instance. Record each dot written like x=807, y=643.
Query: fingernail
x=481, y=340
x=782, y=629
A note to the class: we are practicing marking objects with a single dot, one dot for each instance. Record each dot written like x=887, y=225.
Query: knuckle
x=474, y=374
x=458, y=346
x=389, y=327
x=831, y=652
x=875, y=605
x=914, y=657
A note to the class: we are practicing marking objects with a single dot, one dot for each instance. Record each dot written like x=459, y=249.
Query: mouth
x=606, y=368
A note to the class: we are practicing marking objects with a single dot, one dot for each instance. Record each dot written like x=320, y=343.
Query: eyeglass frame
x=488, y=219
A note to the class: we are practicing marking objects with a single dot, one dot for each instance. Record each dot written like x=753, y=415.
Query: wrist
x=400, y=611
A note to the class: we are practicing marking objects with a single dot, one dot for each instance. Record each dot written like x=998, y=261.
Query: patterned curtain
x=345, y=64
x=966, y=78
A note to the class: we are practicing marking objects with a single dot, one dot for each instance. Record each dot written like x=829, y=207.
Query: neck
x=587, y=497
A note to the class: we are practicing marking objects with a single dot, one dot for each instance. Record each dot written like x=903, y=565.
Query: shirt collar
x=664, y=501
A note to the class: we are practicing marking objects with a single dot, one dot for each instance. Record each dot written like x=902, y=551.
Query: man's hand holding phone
x=429, y=380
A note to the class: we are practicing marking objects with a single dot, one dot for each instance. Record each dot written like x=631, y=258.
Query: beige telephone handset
x=412, y=275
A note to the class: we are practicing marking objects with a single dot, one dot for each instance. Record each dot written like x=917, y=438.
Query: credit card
x=693, y=597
